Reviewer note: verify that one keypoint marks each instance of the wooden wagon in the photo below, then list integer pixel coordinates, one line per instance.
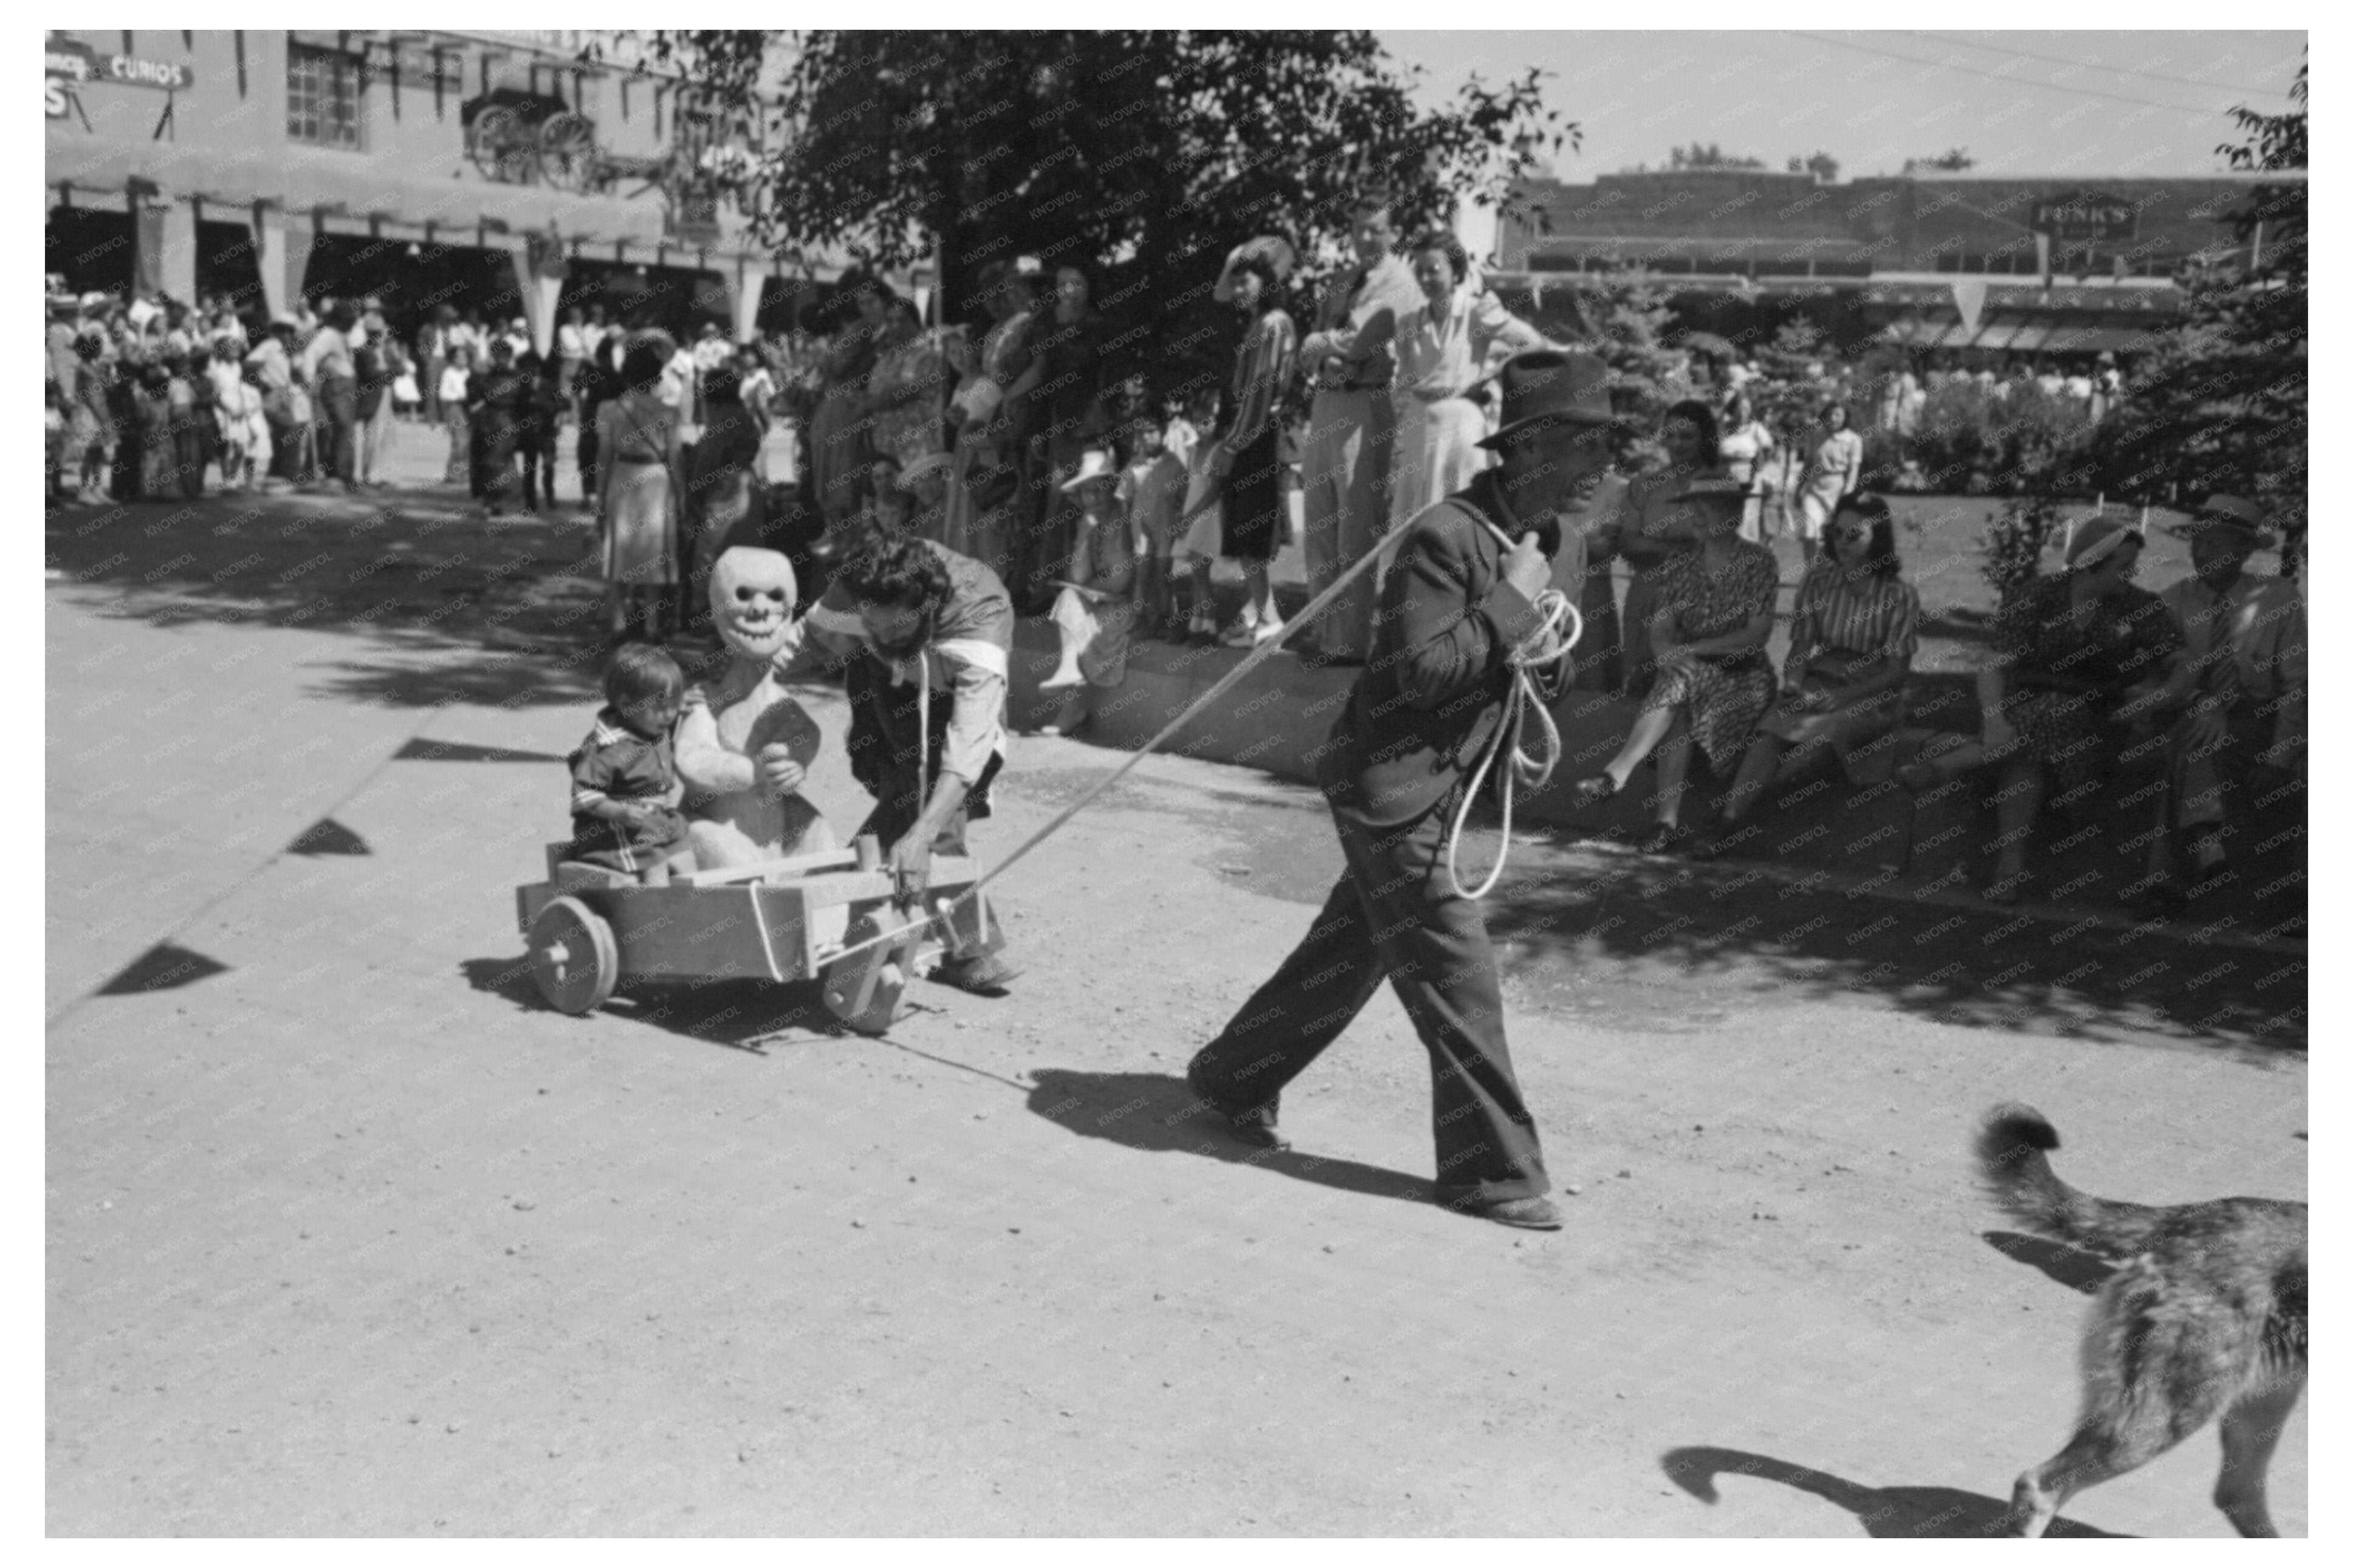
(811, 917)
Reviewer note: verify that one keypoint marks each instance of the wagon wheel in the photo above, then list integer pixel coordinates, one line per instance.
(502, 146)
(567, 150)
(866, 989)
(573, 956)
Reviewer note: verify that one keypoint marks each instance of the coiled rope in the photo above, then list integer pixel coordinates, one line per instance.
(1540, 667)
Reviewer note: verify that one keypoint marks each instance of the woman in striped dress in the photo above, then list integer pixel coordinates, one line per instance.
(1851, 639)
(837, 444)
(1247, 459)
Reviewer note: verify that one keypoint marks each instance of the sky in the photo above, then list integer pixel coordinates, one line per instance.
(2088, 103)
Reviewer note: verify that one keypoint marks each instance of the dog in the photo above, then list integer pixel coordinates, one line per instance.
(2204, 1314)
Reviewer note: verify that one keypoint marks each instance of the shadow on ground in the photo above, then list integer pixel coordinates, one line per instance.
(742, 1014)
(1157, 1113)
(1884, 1512)
(1714, 938)
(1669, 946)
(416, 572)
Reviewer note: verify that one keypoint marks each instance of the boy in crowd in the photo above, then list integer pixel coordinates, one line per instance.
(1203, 536)
(1152, 492)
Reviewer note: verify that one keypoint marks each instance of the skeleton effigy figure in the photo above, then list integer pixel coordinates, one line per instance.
(744, 746)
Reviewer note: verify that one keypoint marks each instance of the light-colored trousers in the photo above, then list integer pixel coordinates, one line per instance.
(1438, 453)
(1344, 470)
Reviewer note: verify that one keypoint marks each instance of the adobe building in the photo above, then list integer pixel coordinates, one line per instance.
(1931, 260)
(494, 170)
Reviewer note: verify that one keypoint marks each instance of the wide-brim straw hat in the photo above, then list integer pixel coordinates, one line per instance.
(1273, 248)
(923, 468)
(2093, 539)
(1094, 464)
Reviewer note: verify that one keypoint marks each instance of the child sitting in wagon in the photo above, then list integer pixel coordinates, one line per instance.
(625, 786)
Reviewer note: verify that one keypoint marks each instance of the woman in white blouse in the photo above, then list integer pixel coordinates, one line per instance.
(1442, 350)
(1747, 442)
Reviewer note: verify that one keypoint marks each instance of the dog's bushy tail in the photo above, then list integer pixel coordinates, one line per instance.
(2010, 1159)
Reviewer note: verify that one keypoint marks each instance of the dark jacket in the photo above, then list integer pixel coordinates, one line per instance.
(1432, 690)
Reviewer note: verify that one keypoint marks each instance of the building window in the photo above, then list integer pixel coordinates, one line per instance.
(322, 97)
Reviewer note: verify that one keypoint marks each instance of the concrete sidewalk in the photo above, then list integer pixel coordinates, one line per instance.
(1871, 835)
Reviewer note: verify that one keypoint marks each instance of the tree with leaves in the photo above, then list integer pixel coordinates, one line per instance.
(1709, 157)
(1141, 157)
(2221, 405)
(1821, 166)
(1950, 163)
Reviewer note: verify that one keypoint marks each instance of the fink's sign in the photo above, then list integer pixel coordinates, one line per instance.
(68, 64)
(2087, 215)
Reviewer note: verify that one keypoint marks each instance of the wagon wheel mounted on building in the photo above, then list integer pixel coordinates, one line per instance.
(503, 145)
(567, 151)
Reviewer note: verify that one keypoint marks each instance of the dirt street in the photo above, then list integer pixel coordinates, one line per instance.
(349, 1234)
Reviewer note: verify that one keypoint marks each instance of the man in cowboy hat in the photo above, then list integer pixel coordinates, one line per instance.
(1351, 427)
(2240, 686)
(1456, 603)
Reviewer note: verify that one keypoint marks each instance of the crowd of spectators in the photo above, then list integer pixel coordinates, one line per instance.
(152, 397)
(1099, 515)
(1010, 445)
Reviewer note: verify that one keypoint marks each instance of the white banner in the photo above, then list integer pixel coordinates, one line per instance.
(1969, 298)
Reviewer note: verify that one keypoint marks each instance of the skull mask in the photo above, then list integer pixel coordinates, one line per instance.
(752, 596)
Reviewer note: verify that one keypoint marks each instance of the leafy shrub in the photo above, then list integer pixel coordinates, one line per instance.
(2014, 542)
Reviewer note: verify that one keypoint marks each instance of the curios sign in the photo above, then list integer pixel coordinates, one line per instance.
(68, 64)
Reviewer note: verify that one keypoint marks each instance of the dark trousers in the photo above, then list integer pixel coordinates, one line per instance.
(586, 455)
(285, 441)
(339, 406)
(886, 757)
(1393, 916)
(539, 451)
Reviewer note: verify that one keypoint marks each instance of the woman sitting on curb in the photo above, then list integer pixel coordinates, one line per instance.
(2075, 656)
(1851, 639)
(1094, 613)
(1714, 617)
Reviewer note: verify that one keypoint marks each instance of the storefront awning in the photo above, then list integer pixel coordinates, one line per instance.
(302, 180)
(2103, 340)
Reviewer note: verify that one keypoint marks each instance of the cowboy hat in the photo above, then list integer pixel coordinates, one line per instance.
(1551, 387)
(2093, 540)
(930, 463)
(2229, 514)
(1274, 250)
(1095, 464)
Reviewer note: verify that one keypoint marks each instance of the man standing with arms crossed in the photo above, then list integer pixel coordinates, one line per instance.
(1455, 606)
(1352, 428)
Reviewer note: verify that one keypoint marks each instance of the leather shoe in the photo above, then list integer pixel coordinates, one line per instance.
(986, 975)
(1524, 1213)
(1250, 1124)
